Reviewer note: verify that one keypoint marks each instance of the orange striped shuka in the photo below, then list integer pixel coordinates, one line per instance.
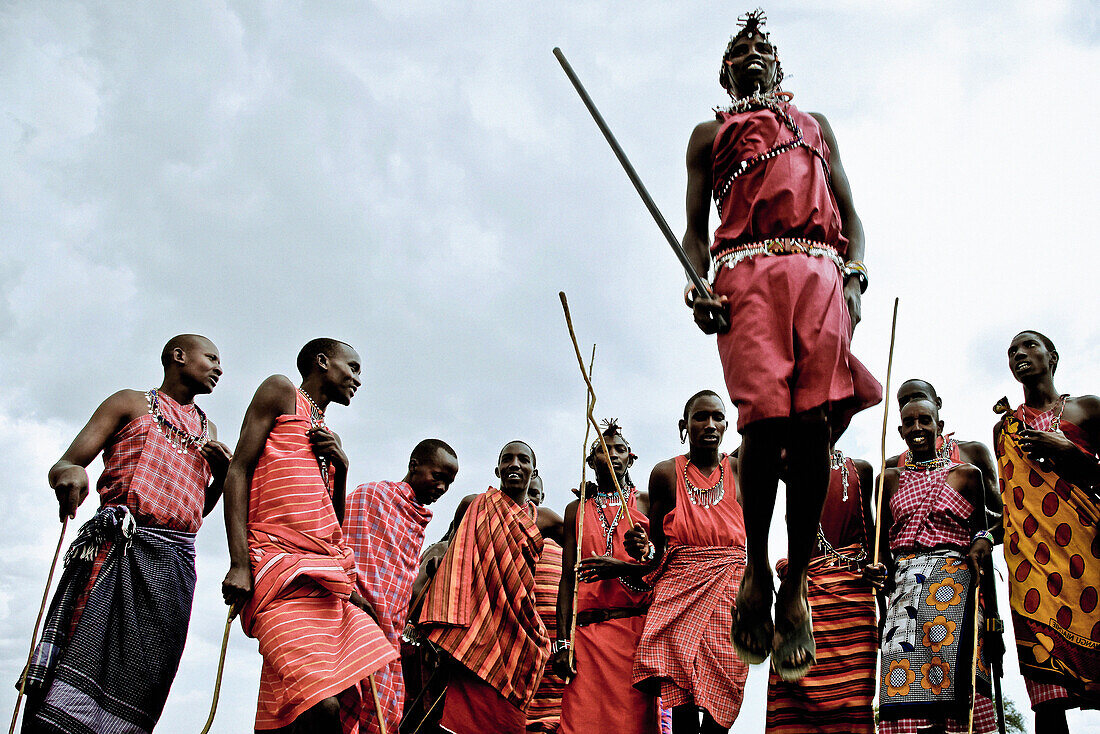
(836, 695)
(314, 642)
(481, 609)
(544, 713)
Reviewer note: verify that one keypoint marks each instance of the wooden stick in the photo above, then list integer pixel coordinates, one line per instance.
(885, 415)
(221, 666)
(37, 625)
(592, 392)
(974, 659)
(588, 407)
(377, 704)
(430, 710)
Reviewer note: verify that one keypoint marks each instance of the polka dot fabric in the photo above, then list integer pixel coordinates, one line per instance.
(1053, 555)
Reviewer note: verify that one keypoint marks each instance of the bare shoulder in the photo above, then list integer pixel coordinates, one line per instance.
(275, 395)
(125, 405)
(862, 465)
(664, 469)
(965, 471)
(975, 452)
(702, 138)
(893, 460)
(1082, 408)
(643, 502)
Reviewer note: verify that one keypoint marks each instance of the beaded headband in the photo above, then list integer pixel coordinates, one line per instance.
(611, 428)
(752, 23)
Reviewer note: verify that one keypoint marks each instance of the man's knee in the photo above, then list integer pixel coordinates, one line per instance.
(810, 424)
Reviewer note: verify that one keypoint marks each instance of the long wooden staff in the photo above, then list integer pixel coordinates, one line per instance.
(974, 658)
(591, 392)
(377, 704)
(233, 611)
(37, 625)
(588, 407)
(885, 416)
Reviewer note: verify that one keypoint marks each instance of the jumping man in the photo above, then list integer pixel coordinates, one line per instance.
(788, 255)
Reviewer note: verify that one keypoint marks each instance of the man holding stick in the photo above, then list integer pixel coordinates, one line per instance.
(108, 656)
(611, 600)
(789, 274)
(290, 567)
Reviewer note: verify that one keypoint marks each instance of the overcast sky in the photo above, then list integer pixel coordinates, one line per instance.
(420, 180)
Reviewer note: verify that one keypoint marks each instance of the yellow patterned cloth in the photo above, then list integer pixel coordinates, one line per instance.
(1052, 550)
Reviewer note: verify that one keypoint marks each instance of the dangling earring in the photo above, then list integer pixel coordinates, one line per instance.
(683, 435)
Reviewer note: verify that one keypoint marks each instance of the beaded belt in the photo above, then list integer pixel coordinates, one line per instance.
(778, 246)
(594, 616)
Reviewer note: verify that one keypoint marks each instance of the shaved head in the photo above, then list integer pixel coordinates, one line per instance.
(186, 342)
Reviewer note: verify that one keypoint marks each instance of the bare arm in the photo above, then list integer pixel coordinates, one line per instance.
(68, 477)
(850, 225)
(978, 455)
(568, 564)
(551, 525)
(662, 498)
(274, 397)
(866, 476)
(217, 455)
(700, 162)
(967, 479)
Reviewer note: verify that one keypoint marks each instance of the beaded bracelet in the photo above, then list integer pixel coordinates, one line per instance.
(982, 535)
(650, 553)
(558, 645)
(858, 269)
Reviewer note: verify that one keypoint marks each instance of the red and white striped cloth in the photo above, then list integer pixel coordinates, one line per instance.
(314, 642)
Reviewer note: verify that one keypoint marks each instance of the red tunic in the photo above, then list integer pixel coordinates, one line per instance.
(686, 643)
(314, 642)
(787, 195)
(788, 349)
(928, 512)
(842, 520)
(604, 651)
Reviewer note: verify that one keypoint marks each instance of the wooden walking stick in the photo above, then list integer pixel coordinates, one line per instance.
(377, 704)
(591, 392)
(589, 404)
(885, 417)
(233, 611)
(37, 625)
(974, 659)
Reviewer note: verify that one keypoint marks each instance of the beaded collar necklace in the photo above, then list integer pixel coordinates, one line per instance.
(604, 500)
(178, 438)
(317, 420)
(936, 462)
(1056, 419)
(944, 451)
(707, 497)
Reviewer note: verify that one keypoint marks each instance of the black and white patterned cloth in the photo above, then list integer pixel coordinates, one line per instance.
(111, 675)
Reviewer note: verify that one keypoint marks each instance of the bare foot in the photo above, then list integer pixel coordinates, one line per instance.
(793, 642)
(752, 622)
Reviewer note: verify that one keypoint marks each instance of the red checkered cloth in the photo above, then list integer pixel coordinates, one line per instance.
(1044, 692)
(163, 487)
(384, 527)
(985, 722)
(928, 512)
(685, 648)
(480, 607)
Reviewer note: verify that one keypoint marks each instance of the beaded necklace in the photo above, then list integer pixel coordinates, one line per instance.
(943, 453)
(706, 496)
(936, 462)
(777, 102)
(836, 461)
(604, 500)
(178, 438)
(317, 420)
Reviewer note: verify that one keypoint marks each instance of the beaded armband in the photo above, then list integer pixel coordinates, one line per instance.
(982, 535)
(558, 645)
(858, 269)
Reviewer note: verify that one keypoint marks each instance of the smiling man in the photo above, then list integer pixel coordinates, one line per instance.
(108, 656)
(290, 567)
(1050, 476)
(789, 273)
(497, 651)
(384, 526)
(933, 541)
